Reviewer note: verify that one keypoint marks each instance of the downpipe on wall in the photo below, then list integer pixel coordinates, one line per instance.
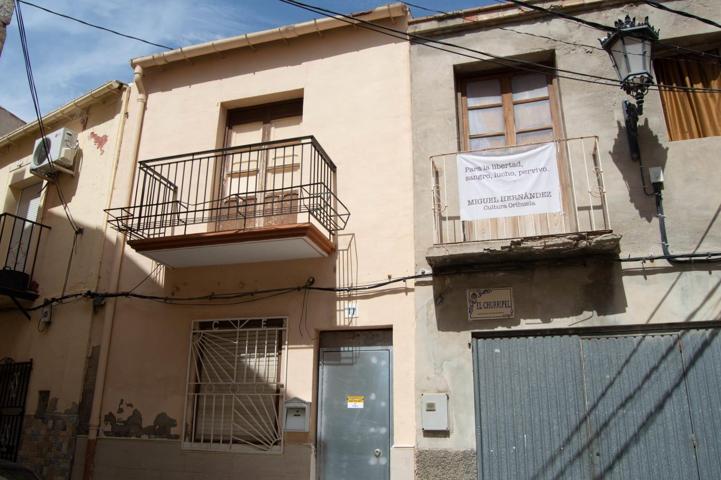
(631, 115)
(96, 412)
(686, 258)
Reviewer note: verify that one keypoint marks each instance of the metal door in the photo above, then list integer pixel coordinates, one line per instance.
(643, 406)
(354, 412)
(14, 380)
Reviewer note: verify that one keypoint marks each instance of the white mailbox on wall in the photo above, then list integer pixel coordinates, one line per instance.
(434, 412)
(296, 415)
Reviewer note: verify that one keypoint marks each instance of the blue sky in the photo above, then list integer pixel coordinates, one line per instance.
(69, 59)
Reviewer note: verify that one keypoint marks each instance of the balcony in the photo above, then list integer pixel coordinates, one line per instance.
(262, 202)
(19, 246)
(582, 226)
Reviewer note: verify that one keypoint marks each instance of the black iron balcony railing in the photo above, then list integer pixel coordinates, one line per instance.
(254, 186)
(19, 246)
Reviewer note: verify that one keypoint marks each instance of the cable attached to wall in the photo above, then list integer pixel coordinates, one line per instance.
(682, 13)
(708, 257)
(598, 26)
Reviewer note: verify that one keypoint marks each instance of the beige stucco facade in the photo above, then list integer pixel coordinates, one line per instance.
(355, 94)
(111, 372)
(565, 293)
(104, 357)
(62, 351)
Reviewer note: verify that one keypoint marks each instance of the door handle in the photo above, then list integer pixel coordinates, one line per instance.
(377, 452)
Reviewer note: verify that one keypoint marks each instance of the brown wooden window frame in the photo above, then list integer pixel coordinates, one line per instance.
(508, 104)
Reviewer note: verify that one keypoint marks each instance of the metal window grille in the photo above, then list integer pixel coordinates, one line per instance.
(234, 386)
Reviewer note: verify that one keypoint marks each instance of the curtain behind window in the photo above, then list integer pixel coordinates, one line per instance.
(690, 114)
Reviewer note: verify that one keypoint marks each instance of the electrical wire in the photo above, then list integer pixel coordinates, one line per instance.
(105, 29)
(150, 274)
(426, 41)
(708, 257)
(513, 63)
(28, 69)
(553, 39)
(599, 26)
(76, 229)
(36, 107)
(682, 13)
(236, 298)
(556, 13)
(70, 264)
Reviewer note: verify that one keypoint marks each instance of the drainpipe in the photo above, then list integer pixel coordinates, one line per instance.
(119, 134)
(96, 413)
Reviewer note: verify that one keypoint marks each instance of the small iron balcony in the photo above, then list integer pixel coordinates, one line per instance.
(19, 246)
(581, 227)
(261, 202)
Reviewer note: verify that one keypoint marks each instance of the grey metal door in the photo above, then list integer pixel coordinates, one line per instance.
(701, 352)
(530, 409)
(354, 412)
(611, 407)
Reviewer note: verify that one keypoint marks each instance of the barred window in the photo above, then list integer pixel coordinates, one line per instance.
(234, 385)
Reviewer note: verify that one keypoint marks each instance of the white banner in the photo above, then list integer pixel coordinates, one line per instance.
(497, 186)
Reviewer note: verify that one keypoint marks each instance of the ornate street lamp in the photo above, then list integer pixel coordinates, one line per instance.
(630, 47)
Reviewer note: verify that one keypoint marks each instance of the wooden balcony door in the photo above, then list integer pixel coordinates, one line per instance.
(260, 186)
(513, 109)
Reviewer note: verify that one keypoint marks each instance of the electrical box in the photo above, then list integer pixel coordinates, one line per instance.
(297, 415)
(434, 412)
(656, 174)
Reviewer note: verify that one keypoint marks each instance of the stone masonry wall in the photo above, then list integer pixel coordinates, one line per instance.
(48, 441)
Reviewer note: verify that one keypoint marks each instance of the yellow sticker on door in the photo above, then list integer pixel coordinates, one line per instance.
(355, 401)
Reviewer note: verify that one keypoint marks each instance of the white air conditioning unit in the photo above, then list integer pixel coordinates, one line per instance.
(61, 146)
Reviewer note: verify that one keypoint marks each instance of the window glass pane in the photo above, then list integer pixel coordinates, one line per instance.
(486, 120)
(532, 115)
(487, 142)
(534, 137)
(483, 92)
(532, 85)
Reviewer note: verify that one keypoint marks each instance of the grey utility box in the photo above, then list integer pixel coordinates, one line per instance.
(434, 412)
(297, 415)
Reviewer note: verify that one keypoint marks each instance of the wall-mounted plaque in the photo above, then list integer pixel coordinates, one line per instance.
(489, 303)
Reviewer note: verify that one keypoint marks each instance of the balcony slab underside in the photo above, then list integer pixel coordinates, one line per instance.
(528, 249)
(282, 242)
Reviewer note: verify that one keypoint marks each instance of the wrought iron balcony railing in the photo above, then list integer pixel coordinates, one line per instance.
(256, 186)
(19, 246)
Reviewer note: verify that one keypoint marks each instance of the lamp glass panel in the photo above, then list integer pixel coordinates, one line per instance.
(635, 53)
(619, 59)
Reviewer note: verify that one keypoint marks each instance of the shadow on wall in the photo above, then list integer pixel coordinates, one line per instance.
(653, 154)
(541, 293)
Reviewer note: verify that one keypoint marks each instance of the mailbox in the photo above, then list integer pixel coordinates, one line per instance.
(297, 415)
(434, 412)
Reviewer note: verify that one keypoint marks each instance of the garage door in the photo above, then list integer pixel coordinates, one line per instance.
(632, 406)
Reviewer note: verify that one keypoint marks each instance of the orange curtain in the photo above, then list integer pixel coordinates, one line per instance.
(690, 114)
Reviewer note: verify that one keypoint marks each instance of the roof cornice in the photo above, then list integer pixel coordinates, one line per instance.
(499, 14)
(64, 112)
(250, 40)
